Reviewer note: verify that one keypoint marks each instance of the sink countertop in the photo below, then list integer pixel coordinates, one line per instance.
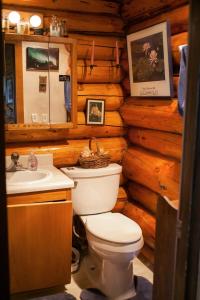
(57, 180)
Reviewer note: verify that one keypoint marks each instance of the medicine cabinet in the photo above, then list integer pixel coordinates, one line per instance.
(40, 82)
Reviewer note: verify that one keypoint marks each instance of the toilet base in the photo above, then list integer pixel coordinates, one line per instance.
(114, 281)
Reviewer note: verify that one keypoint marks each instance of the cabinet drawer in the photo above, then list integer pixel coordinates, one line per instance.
(35, 197)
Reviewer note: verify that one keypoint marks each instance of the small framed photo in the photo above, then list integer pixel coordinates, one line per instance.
(95, 111)
(150, 62)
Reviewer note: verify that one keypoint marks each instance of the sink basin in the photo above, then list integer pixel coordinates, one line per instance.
(27, 177)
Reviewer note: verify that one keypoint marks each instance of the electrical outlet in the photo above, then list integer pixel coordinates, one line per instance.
(34, 117)
(44, 118)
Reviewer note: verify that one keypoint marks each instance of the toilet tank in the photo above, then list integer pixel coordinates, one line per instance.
(95, 190)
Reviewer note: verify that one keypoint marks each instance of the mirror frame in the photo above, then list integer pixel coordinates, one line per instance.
(17, 40)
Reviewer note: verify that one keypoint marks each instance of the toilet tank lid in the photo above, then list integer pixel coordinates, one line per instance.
(78, 172)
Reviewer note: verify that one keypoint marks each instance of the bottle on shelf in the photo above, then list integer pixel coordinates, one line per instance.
(54, 26)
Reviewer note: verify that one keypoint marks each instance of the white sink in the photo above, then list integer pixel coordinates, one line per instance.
(27, 177)
(46, 178)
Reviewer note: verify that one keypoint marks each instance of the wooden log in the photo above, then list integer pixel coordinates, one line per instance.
(87, 23)
(80, 132)
(144, 219)
(101, 89)
(111, 103)
(160, 114)
(144, 196)
(148, 255)
(112, 118)
(121, 200)
(137, 12)
(169, 144)
(176, 41)
(156, 172)
(178, 19)
(96, 6)
(78, 22)
(126, 86)
(102, 72)
(101, 52)
(67, 153)
(100, 40)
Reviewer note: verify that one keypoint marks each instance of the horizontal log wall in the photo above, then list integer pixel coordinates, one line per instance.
(152, 161)
(88, 20)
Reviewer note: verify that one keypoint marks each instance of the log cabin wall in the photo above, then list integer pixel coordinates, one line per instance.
(152, 161)
(87, 21)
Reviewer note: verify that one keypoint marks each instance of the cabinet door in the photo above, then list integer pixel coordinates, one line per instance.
(39, 245)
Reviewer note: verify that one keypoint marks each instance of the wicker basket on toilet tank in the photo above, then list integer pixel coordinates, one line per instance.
(90, 159)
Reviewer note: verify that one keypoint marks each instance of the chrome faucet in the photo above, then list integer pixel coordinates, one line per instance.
(15, 165)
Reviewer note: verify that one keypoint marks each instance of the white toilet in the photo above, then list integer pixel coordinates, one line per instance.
(114, 240)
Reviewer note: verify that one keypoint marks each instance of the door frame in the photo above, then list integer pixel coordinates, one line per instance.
(4, 265)
(187, 267)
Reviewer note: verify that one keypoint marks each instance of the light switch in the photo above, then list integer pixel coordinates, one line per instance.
(34, 117)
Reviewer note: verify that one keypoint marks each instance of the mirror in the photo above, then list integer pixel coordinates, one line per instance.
(40, 81)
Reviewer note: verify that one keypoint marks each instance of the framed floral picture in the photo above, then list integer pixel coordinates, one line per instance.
(150, 62)
(95, 111)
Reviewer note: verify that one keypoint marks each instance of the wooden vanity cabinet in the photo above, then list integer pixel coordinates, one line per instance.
(40, 239)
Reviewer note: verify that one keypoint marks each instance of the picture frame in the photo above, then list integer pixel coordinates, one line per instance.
(150, 62)
(42, 59)
(95, 111)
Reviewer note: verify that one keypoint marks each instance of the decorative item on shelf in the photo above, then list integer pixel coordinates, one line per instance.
(54, 26)
(22, 27)
(92, 56)
(5, 25)
(117, 54)
(63, 28)
(90, 159)
(150, 62)
(95, 111)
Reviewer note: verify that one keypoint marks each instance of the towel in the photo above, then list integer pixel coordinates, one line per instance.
(67, 94)
(182, 85)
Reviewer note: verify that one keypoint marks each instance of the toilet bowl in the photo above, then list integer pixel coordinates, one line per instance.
(114, 240)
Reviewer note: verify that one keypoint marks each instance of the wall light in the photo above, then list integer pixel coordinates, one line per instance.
(14, 17)
(35, 21)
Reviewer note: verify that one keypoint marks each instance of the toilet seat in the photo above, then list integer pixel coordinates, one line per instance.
(113, 228)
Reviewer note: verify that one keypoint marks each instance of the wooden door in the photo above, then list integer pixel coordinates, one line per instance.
(39, 245)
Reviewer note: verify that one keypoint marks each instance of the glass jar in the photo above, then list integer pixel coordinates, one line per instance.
(5, 25)
(63, 28)
(54, 27)
(21, 27)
